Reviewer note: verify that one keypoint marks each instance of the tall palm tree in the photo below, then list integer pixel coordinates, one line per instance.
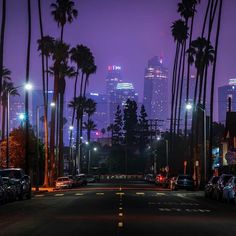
(180, 34)
(2, 44)
(90, 107)
(45, 45)
(63, 11)
(60, 55)
(77, 104)
(26, 93)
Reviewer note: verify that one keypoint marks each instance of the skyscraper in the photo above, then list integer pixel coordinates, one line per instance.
(224, 93)
(155, 97)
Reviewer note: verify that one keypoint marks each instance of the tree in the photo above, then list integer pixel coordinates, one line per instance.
(17, 148)
(63, 11)
(117, 137)
(143, 128)
(45, 45)
(7, 87)
(130, 122)
(27, 94)
(2, 43)
(89, 126)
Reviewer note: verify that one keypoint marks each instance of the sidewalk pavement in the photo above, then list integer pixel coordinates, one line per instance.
(42, 189)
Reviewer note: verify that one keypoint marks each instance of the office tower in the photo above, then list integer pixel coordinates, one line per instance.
(224, 92)
(112, 79)
(155, 97)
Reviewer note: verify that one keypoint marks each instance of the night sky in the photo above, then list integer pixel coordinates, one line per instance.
(119, 32)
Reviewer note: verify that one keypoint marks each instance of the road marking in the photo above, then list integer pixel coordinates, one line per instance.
(120, 208)
(120, 225)
(120, 193)
(99, 193)
(161, 194)
(79, 194)
(39, 195)
(120, 188)
(140, 193)
(186, 210)
(120, 214)
(59, 195)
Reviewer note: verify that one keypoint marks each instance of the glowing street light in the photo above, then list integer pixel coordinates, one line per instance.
(189, 106)
(71, 127)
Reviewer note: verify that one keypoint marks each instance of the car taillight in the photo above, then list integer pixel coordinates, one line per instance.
(161, 178)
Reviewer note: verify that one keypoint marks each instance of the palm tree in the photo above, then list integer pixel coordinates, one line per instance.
(26, 93)
(60, 53)
(89, 126)
(2, 44)
(45, 45)
(7, 87)
(63, 12)
(77, 104)
(180, 34)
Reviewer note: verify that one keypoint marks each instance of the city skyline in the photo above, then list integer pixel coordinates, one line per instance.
(129, 45)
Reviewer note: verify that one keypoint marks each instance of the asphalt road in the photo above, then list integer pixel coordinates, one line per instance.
(118, 209)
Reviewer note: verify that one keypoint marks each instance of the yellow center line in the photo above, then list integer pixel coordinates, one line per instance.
(120, 193)
(120, 225)
(39, 195)
(99, 193)
(140, 193)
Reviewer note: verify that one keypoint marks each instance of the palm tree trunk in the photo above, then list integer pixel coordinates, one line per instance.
(77, 158)
(27, 164)
(3, 120)
(2, 44)
(212, 89)
(181, 89)
(178, 86)
(188, 80)
(52, 132)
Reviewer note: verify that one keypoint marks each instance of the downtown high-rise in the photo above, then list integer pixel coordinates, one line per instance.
(155, 98)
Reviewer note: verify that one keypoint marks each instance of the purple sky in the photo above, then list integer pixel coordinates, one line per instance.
(119, 32)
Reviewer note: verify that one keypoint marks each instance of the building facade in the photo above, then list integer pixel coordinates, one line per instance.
(224, 92)
(155, 97)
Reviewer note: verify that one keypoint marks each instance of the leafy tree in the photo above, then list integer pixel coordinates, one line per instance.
(89, 126)
(143, 128)
(117, 128)
(17, 148)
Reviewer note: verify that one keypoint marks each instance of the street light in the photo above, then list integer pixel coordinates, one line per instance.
(27, 87)
(202, 108)
(89, 159)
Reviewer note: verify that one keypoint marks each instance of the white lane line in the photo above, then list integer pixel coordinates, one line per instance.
(39, 195)
(120, 214)
(161, 194)
(59, 195)
(79, 194)
(140, 193)
(184, 210)
(120, 208)
(99, 193)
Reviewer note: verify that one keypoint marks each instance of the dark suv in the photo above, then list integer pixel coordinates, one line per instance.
(18, 175)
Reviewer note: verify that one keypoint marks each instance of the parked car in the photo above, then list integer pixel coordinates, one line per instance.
(210, 186)
(149, 178)
(90, 178)
(18, 174)
(160, 179)
(229, 191)
(63, 182)
(11, 189)
(3, 194)
(82, 178)
(218, 189)
(183, 182)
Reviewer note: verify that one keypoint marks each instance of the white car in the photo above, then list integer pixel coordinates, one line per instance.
(229, 191)
(64, 182)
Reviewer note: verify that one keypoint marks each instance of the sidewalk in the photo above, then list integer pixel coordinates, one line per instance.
(42, 189)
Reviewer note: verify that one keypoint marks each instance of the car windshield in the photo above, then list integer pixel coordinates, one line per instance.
(16, 174)
(184, 177)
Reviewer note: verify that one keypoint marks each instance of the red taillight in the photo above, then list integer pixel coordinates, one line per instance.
(161, 178)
